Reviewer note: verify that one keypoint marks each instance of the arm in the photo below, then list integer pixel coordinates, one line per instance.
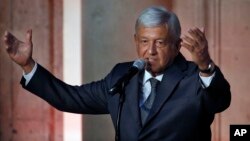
(89, 99)
(217, 96)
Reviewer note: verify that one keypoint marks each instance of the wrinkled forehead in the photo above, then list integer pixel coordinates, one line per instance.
(153, 31)
(151, 26)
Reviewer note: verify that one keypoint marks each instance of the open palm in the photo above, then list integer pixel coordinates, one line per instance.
(20, 52)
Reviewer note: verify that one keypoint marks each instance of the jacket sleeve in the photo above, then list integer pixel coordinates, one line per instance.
(217, 96)
(88, 98)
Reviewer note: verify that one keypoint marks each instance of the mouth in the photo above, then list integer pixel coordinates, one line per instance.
(150, 63)
(151, 60)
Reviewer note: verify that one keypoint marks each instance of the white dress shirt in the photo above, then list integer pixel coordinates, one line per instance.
(29, 75)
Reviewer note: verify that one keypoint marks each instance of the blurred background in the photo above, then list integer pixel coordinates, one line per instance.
(81, 40)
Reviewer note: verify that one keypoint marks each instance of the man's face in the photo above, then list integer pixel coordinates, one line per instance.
(154, 45)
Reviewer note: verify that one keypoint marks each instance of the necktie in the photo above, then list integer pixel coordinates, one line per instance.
(145, 108)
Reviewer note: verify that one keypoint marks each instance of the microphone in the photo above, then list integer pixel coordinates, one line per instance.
(137, 66)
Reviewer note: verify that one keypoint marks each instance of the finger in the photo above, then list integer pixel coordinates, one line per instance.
(199, 32)
(196, 34)
(5, 37)
(5, 40)
(189, 40)
(203, 30)
(187, 46)
(6, 33)
(9, 39)
(8, 47)
(29, 36)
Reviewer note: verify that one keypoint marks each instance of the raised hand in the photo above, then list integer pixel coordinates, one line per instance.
(20, 52)
(196, 43)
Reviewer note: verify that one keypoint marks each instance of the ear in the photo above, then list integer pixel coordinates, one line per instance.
(178, 46)
(136, 40)
(136, 43)
(135, 37)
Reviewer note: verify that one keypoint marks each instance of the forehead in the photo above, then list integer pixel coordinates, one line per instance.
(153, 32)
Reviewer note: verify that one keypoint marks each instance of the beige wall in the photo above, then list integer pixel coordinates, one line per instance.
(23, 116)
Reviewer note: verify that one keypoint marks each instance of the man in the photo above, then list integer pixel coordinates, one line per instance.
(170, 100)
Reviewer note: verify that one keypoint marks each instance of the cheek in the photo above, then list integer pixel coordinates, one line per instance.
(165, 57)
(141, 51)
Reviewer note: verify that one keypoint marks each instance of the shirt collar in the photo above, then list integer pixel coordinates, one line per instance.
(147, 76)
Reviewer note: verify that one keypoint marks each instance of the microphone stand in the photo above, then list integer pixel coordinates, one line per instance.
(119, 87)
(121, 101)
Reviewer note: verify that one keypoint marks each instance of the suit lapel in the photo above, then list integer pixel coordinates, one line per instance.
(132, 97)
(170, 79)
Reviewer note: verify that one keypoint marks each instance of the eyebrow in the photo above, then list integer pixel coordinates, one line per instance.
(141, 37)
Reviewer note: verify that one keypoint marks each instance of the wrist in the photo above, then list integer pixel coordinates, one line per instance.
(208, 69)
(27, 68)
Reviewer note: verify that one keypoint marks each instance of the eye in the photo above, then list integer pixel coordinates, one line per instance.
(143, 41)
(160, 43)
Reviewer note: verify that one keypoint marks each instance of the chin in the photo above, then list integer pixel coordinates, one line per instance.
(153, 71)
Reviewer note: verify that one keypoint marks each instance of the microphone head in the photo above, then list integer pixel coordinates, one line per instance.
(139, 64)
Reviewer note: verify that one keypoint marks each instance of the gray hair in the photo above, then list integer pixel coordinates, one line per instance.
(157, 16)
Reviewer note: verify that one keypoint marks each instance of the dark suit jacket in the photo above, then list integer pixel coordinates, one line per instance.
(182, 111)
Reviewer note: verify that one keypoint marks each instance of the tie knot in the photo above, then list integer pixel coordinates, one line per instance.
(153, 82)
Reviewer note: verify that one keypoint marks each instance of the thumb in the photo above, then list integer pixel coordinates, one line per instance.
(203, 30)
(29, 36)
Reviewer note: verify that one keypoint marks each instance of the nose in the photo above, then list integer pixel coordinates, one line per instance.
(152, 49)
